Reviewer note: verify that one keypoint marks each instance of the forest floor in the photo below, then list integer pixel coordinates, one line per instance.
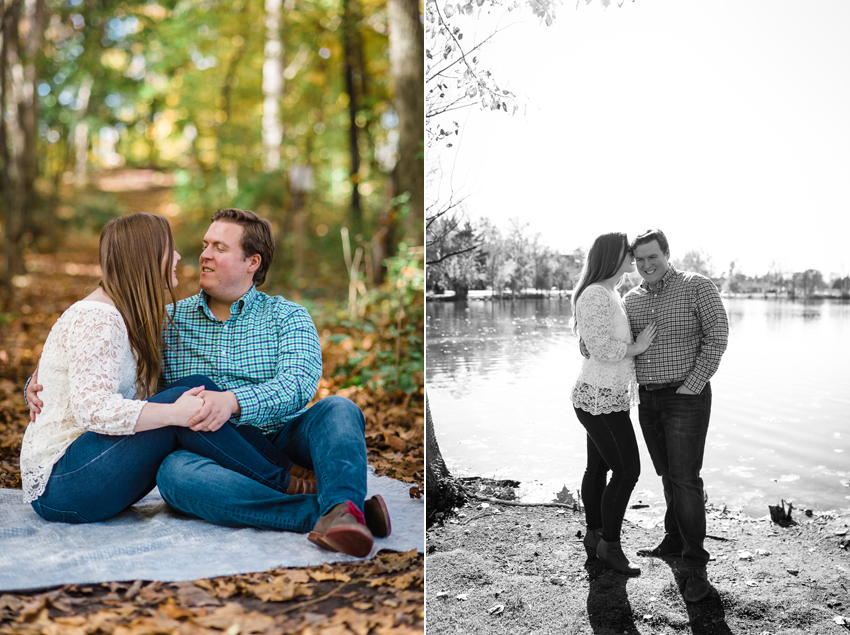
(381, 595)
(500, 568)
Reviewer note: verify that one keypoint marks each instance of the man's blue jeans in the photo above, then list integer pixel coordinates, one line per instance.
(674, 428)
(329, 438)
(100, 475)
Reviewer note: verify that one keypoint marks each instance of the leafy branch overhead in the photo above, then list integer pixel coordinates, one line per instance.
(454, 76)
(455, 79)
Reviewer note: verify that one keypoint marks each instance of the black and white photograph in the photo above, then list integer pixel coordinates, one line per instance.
(637, 310)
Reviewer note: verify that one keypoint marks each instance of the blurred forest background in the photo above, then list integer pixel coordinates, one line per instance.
(309, 112)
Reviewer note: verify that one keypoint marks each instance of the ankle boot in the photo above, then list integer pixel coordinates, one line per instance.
(302, 472)
(591, 540)
(611, 553)
(301, 486)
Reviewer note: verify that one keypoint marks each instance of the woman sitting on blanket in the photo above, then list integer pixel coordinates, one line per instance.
(97, 443)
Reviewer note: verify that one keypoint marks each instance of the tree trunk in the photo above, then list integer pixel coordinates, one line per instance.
(349, 22)
(7, 191)
(442, 492)
(81, 134)
(27, 113)
(12, 78)
(272, 88)
(300, 187)
(407, 57)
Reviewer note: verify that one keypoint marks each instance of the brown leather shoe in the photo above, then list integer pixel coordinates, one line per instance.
(343, 529)
(301, 486)
(377, 516)
(302, 473)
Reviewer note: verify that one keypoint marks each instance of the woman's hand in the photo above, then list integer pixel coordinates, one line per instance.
(218, 406)
(33, 402)
(187, 406)
(646, 337)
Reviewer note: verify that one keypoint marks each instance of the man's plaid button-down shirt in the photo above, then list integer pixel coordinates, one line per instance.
(693, 329)
(267, 353)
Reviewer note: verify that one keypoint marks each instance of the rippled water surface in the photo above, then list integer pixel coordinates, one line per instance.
(499, 376)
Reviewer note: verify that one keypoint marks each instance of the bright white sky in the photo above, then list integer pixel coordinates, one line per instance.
(726, 123)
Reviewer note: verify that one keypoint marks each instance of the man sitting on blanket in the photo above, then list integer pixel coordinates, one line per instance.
(265, 354)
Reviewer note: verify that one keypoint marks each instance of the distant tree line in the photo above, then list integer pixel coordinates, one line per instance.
(464, 255)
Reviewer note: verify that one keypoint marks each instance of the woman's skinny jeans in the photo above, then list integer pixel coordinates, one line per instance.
(100, 475)
(611, 445)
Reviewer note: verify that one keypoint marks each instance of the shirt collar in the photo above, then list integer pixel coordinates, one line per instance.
(235, 309)
(665, 279)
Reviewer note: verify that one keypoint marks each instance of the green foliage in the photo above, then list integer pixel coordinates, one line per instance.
(388, 345)
(178, 87)
(92, 210)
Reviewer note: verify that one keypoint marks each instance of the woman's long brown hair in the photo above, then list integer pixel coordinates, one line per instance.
(603, 260)
(132, 251)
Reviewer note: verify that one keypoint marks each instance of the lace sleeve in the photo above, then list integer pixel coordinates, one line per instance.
(594, 315)
(95, 371)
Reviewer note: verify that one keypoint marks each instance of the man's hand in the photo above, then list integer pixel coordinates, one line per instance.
(218, 406)
(583, 349)
(683, 390)
(35, 404)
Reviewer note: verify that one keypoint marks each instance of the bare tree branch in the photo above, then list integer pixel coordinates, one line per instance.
(452, 254)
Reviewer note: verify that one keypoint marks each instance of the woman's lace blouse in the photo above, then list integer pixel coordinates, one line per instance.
(606, 382)
(89, 376)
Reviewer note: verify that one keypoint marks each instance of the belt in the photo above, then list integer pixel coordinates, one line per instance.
(672, 384)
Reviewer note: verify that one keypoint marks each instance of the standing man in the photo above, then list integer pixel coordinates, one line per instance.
(675, 393)
(265, 354)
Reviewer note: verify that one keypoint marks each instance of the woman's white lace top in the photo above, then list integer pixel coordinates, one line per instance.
(606, 382)
(89, 376)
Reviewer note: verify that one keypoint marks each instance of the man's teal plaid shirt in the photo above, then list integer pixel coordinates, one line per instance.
(267, 353)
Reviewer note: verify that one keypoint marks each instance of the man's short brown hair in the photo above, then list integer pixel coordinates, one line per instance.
(257, 237)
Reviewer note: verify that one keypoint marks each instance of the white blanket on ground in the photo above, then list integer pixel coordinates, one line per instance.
(151, 542)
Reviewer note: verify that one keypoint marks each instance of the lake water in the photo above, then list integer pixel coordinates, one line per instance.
(499, 377)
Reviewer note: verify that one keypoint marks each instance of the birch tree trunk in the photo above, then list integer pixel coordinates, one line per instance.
(272, 88)
(407, 57)
(81, 134)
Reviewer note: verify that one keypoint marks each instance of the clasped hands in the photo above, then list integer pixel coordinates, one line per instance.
(204, 410)
(207, 410)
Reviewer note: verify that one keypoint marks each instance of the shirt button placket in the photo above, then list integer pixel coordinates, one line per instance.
(222, 353)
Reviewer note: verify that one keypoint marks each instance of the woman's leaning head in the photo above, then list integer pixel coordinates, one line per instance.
(606, 258)
(607, 255)
(137, 251)
(136, 259)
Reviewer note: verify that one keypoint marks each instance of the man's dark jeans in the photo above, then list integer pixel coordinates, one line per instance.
(674, 428)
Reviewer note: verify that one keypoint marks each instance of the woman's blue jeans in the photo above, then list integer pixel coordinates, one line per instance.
(101, 475)
(611, 446)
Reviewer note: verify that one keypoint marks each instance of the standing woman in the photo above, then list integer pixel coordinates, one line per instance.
(604, 392)
(96, 446)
